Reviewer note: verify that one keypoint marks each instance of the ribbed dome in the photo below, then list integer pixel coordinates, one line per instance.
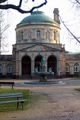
(37, 17)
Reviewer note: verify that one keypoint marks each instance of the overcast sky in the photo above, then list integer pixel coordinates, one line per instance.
(68, 13)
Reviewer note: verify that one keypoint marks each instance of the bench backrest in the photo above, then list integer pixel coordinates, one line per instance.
(7, 83)
(11, 95)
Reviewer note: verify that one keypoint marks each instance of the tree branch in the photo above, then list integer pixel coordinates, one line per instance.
(11, 6)
(20, 3)
(70, 31)
(77, 1)
(1, 1)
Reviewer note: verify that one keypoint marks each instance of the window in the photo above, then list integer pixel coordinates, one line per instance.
(55, 35)
(38, 34)
(29, 34)
(22, 35)
(48, 35)
(9, 68)
(76, 68)
(67, 68)
(1, 69)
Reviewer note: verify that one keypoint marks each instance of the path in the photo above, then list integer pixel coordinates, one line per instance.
(56, 103)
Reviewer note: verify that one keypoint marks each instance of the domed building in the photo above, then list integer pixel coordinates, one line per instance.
(38, 36)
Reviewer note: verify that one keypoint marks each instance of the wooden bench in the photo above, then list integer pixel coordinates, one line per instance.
(19, 99)
(7, 83)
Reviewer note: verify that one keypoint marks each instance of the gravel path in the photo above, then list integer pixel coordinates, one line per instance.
(55, 103)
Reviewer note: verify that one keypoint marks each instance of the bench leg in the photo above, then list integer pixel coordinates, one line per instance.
(0, 85)
(22, 105)
(12, 86)
(17, 105)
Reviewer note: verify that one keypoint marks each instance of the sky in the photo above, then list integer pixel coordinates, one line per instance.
(69, 14)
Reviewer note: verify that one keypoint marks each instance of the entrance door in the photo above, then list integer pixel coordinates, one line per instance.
(26, 65)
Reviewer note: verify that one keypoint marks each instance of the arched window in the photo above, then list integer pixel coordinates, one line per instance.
(9, 69)
(38, 34)
(76, 68)
(1, 69)
(67, 68)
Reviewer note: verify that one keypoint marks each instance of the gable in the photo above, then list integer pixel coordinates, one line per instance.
(39, 48)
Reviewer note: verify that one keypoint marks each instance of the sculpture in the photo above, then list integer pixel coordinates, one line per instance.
(42, 65)
(42, 73)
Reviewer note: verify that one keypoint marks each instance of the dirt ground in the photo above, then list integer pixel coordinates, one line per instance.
(55, 103)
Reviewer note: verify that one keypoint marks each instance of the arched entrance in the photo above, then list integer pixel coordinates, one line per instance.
(52, 63)
(38, 62)
(26, 65)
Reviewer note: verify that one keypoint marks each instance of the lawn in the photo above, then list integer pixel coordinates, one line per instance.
(13, 106)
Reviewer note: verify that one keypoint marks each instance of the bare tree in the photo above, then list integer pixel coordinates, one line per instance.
(77, 2)
(3, 28)
(76, 38)
(4, 5)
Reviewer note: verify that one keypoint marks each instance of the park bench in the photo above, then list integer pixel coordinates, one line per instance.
(17, 98)
(7, 83)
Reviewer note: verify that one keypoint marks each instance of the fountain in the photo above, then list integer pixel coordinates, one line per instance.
(42, 73)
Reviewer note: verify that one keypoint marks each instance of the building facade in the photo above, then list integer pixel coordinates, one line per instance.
(38, 36)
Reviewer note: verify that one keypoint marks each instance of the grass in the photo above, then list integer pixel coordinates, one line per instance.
(78, 88)
(13, 106)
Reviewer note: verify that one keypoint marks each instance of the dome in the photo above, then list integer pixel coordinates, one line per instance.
(37, 17)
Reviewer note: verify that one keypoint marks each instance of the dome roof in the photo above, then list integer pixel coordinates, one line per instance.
(37, 17)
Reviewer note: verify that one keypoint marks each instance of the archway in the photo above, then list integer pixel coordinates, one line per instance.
(52, 63)
(38, 62)
(26, 65)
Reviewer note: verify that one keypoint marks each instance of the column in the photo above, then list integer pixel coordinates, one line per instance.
(32, 66)
(20, 68)
(45, 65)
(72, 69)
(59, 67)
(17, 67)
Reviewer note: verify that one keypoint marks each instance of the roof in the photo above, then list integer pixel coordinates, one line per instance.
(5, 57)
(37, 16)
(73, 53)
(73, 56)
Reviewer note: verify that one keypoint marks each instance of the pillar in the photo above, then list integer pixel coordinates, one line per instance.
(58, 67)
(32, 66)
(45, 65)
(20, 68)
